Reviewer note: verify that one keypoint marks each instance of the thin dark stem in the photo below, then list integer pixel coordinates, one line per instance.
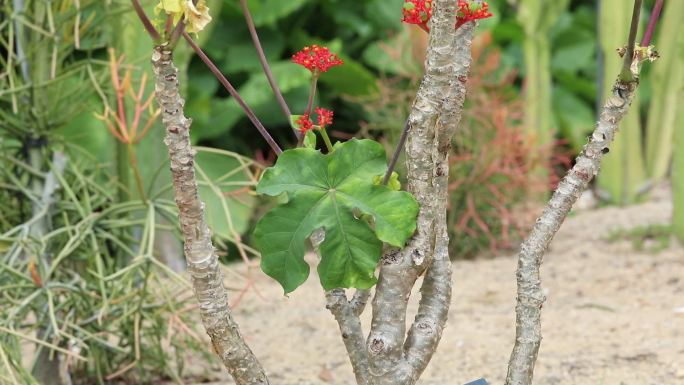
(312, 94)
(397, 153)
(176, 34)
(264, 63)
(309, 104)
(168, 25)
(626, 75)
(229, 87)
(154, 34)
(655, 15)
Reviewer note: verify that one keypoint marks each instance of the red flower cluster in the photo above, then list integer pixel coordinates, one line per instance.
(304, 123)
(325, 117)
(316, 58)
(417, 11)
(470, 12)
(420, 11)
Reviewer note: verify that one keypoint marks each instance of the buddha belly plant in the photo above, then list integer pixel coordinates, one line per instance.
(344, 200)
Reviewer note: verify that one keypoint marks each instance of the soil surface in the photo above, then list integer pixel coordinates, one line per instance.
(614, 315)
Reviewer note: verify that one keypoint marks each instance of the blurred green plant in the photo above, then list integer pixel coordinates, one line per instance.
(678, 183)
(623, 177)
(667, 81)
(568, 49)
(493, 168)
(91, 287)
(678, 158)
(86, 295)
(95, 277)
(650, 238)
(537, 18)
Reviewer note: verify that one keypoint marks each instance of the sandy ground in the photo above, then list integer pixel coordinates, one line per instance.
(613, 315)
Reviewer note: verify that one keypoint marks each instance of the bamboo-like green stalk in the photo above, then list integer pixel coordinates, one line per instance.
(623, 175)
(537, 18)
(678, 155)
(678, 184)
(667, 83)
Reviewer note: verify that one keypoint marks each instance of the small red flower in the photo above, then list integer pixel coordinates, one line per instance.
(304, 123)
(420, 11)
(325, 117)
(471, 11)
(417, 11)
(316, 58)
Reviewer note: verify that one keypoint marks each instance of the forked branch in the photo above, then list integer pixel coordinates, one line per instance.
(436, 112)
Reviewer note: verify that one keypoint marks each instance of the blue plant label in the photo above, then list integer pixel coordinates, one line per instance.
(481, 381)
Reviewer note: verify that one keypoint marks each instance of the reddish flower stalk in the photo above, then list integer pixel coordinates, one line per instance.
(264, 62)
(149, 27)
(317, 60)
(233, 92)
(655, 15)
(312, 93)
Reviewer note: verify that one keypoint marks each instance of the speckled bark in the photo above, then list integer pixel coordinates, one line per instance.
(359, 301)
(201, 257)
(530, 296)
(352, 334)
(433, 119)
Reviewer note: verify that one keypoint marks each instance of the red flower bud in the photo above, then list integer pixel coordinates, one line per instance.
(316, 58)
(304, 123)
(420, 11)
(325, 117)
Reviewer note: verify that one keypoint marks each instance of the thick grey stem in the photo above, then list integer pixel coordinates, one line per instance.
(352, 334)
(433, 310)
(433, 118)
(530, 295)
(203, 264)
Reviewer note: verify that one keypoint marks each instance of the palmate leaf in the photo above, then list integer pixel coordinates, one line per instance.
(334, 192)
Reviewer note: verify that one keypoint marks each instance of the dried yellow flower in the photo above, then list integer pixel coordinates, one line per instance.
(196, 17)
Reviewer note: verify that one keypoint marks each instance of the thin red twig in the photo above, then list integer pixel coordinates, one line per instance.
(655, 16)
(233, 92)
(154, 34)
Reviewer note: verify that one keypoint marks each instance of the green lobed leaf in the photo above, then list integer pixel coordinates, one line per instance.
(329, 192)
